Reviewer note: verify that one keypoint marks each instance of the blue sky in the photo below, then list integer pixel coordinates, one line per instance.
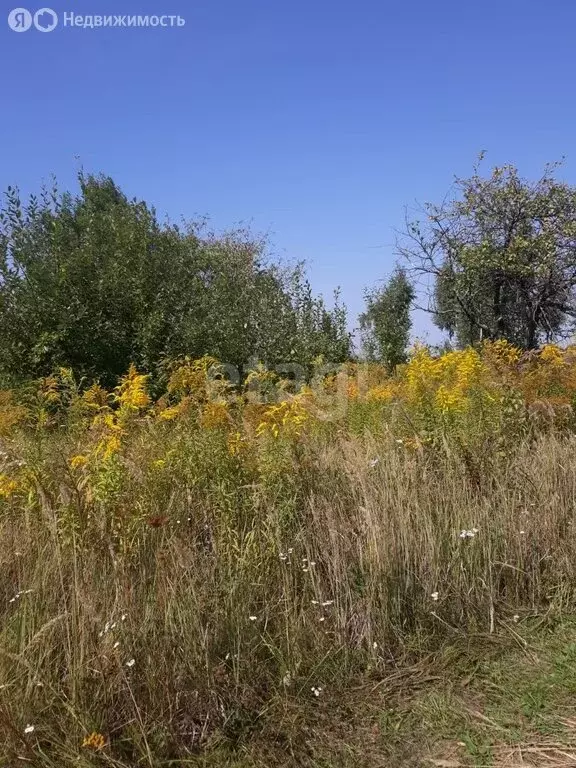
(316, 121)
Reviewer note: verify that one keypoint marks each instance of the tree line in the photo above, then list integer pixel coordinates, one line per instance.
(495, 260)
(94, 281)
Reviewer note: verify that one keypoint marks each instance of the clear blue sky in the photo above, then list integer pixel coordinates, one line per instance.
(314, 121)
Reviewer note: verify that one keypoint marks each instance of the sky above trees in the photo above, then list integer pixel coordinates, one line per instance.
(314, 122)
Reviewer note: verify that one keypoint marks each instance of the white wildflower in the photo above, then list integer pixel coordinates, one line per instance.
(253, 618)
(131, 663)
(18, 595)
(434, 596)
(327, 602)
(29, 729)
(316, 690)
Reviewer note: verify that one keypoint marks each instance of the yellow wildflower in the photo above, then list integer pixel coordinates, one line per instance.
(380, 393)
(131, 392)
(552, 354)
(447, 399)
(77, 462)
(288, 416)
(110, 446)
(169, 414)
(10, 413)
(94, 741)
(214, 415)
(235, 443)
(7, 486)
(95, 397)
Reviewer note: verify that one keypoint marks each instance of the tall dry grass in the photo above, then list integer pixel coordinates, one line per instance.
(180, 607)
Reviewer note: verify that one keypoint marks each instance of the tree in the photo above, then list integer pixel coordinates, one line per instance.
(499, 258)
(96, 282)
(386, 323)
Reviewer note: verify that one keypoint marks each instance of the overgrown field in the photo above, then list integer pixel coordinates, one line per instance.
(261, 576)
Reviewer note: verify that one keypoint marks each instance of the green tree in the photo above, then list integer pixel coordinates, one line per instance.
(385, 325)
(499, 258)
(95, 282)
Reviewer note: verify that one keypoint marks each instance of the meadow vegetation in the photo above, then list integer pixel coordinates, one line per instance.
(228, 538)
(371, 568)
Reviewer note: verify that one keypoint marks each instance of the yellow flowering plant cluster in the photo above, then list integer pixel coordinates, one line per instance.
(110, 418)
(199, 380)
(449, 391)
(94, 741)
(11, 413)
(262, 385)
(131, 395)
(287, 418)
(197, 387)
(472, 394)
(8, 486)
(549, 375)
(52, 399)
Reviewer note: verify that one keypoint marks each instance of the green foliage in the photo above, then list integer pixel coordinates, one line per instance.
(386, 323)
(95, 282)
(500, 256)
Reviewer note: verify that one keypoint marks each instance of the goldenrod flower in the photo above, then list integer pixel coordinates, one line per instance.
(552, 354)
(76, 462)
(169, 414)
(131, 392)
(94, 741)
(235, 442)
(214, 415)
(7, 486)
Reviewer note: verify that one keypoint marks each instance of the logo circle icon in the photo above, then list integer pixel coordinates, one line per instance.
(20, 20)
(45, 20)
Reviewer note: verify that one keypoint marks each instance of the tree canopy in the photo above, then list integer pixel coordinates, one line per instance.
(94, 281)
(386, 322)
(499, 258)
